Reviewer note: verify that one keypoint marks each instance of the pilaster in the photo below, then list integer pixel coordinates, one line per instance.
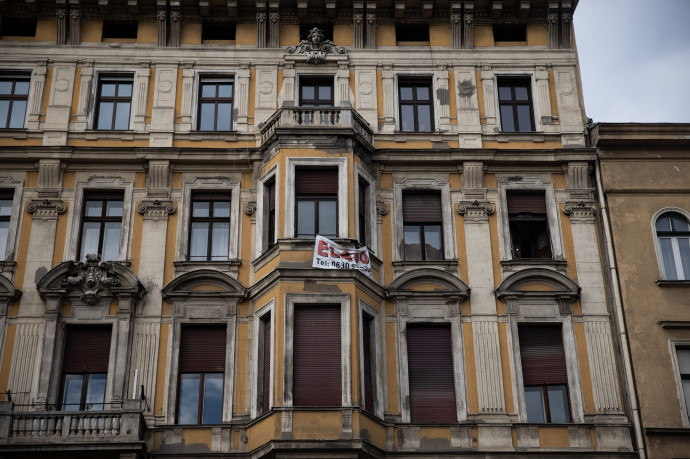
(26, 348)
(569, 110)
(370, 38)
(261, 34)
(266, 93)
(487, 358)
(58, 112)
(61, 18)
(468, 25)
(365, 85)
(443, 99)
(242, 98)
(86, 78)
(287, 92)
(49, 178)
(456, 25)
(185, 124)
(74, 24)
(142, 84)
(38, 84)
(358, 25)
(388, 100)
(162, 21)
(273, 25)
(469, 127)
(163, 112)
(602, 368)
(342, 77)
(487, 75)
(175, 25)
(544, 99)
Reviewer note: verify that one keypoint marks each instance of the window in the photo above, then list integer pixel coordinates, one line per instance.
(683, 355)
(316, 196)
(305, 28)
(120, 30)
(218, 32)
(271, 220)
(316, 92)
(510, 32)
(515, 104)
(422, 225)
(14, 93)
(673, 235)
(6, 198)
(215, 103)
(114, 102)
(412, 34)
(102, 224)
(209, 226)
(416, 112)
(19, 27)
(430, 370)
(264, 367)
(317, 357)
(369, 361)
(202, 369)
(362, 204)
(85, 368)
(529, 228)
(544, 373)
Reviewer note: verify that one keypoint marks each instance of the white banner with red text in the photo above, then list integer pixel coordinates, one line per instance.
(329, 255)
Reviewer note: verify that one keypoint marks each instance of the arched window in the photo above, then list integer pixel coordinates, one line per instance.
(673, 234)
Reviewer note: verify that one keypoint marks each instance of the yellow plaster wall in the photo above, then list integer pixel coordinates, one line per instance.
(91, 31)
(568, 246)
(554, 437)
(385, 35)
(483, 36)
(149, 100)
(158, 402)
(7, 357)
(65, 310)
(289, 34)
(453, 105)
(472, 394)
(585, 374)
(537, 35)
(46, 30)
(245, 34)
(197, 437)
(252, 100)
(315, 425)
(75, 94)
(191, 33)
(263, 431)
(558, 181)
(343, 34)
(375, 430)
(439, 35)
(147, 32)
(60, 236)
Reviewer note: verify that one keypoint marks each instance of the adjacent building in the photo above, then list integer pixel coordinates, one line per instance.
(166, 167)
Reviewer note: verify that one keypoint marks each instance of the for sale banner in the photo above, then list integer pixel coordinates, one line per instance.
(329, 255)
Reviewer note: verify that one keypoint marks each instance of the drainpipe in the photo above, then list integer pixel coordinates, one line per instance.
(620, 320)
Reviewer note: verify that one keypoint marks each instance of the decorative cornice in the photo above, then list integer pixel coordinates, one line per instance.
(46, 209)
(91, 279)
(475, 211)
(316, 47)
(580, 212)
(155, 210)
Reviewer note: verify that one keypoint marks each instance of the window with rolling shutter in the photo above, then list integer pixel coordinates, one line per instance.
(316, 199)
(362, 212)
(85, 367)
(264, 375)
(271, 234)
(430, 370)
(544, 373)
(202, 369)
(529, 228)
(368, 361)
(316, 371)
(422, 225)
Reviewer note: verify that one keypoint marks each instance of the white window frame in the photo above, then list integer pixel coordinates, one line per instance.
(292, 164)
(97, 75)
(674, 243)
(262, 210)
(198, 75)
(531, 74)
(552, 214)
(7, 183)
(674, 344)
(448, 222)
(108, 184)
(268, 308)
(376, 356)
(370, 207)
(345, 349)
(208, 184)
(412, 74)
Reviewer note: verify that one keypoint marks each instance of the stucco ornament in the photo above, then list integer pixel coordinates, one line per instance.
(91, 279)
(316, 47)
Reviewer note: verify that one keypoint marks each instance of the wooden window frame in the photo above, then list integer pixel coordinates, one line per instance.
(117, 80)
(217, 80)
(513, 82)
(212, 197)
(515, 218)
(316, 81)
(12, 97)
(316, 198)
(105, 196)
(406, 223)
(416, 82)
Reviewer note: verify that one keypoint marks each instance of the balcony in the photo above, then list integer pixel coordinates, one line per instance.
(120, 429)
(313, 121)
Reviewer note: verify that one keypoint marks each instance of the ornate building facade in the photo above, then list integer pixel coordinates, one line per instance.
(165, 168)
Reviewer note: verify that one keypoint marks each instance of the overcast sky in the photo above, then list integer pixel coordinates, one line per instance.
(635, 59)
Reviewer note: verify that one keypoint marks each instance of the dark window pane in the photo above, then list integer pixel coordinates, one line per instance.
(412, 237)
(71, 394)
(324, 93)
(558, 404)
(224, 90)
(113, 208)
(201, 208)
(224, 116)
(663, 223)
(521, 93)
(213, 398)
(207, 117)
(221, 209)
(507, 121)
(534, 402)
(208, 90)
(124, 90)
(308, 92)
(4, 232)
(21, 87)
(188, 411)
(524, 121)
(198, 243)
(122, 116)
(406, 93)
(306, 217)
(5, 207)
(432, 242)
(105, 115)
(669, 260)
(108, 89)
(219, 243)
(684, 361)
(424, 118)
(95, 390)
(407, 118)
(504, 93)
(327, 218)
(90, 234)
(679, 223)
(422, 93)
(111, 241)
(684, 250)
(5, 87)
(18, 112)
(4, 112)
(93, 208)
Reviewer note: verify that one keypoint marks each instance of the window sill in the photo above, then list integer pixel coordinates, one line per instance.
(667, 430)
(14, 133)
(8, 267)
(526, 263)
(95, 134)
(230, 267)
(404, 266)
(228, 136)
(673, 283)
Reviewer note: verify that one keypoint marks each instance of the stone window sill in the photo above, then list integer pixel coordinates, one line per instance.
(673, 283)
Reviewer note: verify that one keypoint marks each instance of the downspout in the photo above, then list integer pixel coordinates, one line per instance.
(620, 320)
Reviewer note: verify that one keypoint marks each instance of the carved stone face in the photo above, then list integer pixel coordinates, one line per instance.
(316, 37)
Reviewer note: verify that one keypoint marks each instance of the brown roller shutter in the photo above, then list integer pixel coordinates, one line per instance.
(542, 355)
(100, 194)
(316, 181)
(272, 196)
(87, 349)
(532, 202)
(367, 323)
(316, 350)
(430, 367)
(422, 207)
(266, 381)
(202, 348)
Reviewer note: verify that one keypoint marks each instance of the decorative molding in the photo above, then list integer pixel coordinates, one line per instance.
(602, 362)
(91, 279)
(250, 208)
(475, 211)
(46, 209)
(156, 210)
(316, 47)
(580, 212)
(74, 25)
(61, 20)
(382, 208)
(162, 19)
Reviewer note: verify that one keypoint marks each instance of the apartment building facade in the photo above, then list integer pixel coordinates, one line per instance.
(165, 169)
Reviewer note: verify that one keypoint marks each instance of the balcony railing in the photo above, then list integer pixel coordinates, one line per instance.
(317, 117)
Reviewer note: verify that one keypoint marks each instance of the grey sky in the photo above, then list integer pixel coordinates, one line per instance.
(635, 59)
